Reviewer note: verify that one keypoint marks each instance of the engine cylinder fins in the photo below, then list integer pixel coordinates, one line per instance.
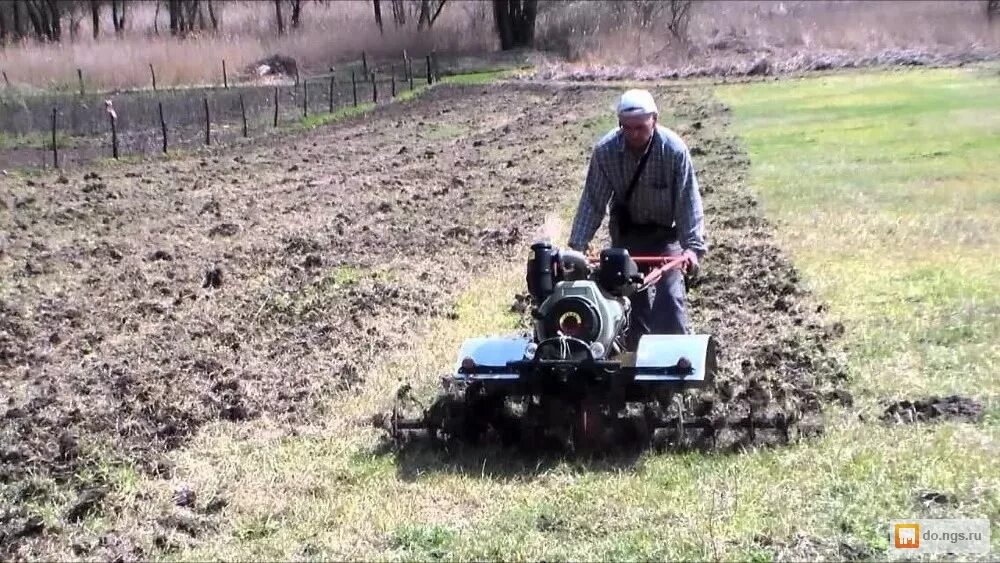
(575, 317)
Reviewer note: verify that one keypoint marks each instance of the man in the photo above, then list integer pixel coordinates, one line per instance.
(661, 216)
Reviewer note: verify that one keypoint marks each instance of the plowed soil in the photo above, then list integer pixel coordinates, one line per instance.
(141, 301)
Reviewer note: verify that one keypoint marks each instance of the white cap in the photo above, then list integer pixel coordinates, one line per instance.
(636, 102)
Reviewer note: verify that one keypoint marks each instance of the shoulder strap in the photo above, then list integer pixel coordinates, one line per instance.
(638, 169)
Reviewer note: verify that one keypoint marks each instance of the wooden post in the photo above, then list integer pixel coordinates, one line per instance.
(55, 149)
(114, 135)
(5, 79)
(331, 90)
(392, 71)
(225, 78)
(275, 106)
(354, 88)
(305, 98)
(296, 78)
(208, 123)
(374, 89)
(364, 63)
(153, 73)
(79, 74)
(429, 79)
(406, 66)
(243, 110)
(409, 71)
(163, 128)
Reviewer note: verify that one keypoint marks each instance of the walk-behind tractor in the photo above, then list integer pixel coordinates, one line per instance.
(575, 382)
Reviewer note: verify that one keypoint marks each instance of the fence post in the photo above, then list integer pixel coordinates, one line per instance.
(364, 63)
(163, 127)
(409, 71)
(275, 106)
(243, 111)
(429, 79)
(406, 66)
(331, 89)
(354, 88)
(55, 149)
(305, 98)
(5, 79)
(208, 123)
(79, 74)
(374, 89)
(225, 78)
(114, 134)
(153, 72)
(392, 70)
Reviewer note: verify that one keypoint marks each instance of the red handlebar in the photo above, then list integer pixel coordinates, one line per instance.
(664, 264)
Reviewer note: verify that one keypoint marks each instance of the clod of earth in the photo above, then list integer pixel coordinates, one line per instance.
(933, 409)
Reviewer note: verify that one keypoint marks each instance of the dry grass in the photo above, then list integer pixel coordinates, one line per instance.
(722, 33)
(583, 33)
(330, 33)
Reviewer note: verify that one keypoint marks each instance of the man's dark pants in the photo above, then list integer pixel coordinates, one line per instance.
(661, 308)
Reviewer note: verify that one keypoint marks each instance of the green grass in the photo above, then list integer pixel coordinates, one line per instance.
(35, 140)
(327, 492)
(885, 187)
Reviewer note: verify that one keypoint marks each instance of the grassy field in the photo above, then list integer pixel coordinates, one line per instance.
(883, 188)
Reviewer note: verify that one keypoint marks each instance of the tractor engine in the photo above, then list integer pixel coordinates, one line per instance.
(570, 299)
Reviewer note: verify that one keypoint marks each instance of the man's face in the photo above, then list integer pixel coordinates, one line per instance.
(638, 130)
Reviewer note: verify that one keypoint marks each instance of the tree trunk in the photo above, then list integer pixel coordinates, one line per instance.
(55, 12)
(378, 15)
(277, 16)
(18, 23)
(173, 8)
(121, 18)
(3, 27)
(398, 13)
(425, 14)
(114, 15)
(41, 27)
(296, 13)
(515, 22)
(95, 17)
(434, 16)
(212, 16)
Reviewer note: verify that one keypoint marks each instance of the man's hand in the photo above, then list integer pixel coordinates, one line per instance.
(691, 266)
(592, 253)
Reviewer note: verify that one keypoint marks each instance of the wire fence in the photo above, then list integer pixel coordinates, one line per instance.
(52, 130)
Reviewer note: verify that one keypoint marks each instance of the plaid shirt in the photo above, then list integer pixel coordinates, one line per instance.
(666, 193)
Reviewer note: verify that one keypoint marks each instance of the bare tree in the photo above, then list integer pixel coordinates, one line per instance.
(377, 6)
(118, 15)
(427, 7)
(212, 16)
(992, 10)
(646, 11)
(679, 12)
(95, 17)
(296, 12)
(398, 13)
(515, 22)
(277, 17)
